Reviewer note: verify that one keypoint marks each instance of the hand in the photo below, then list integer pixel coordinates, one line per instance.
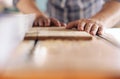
(44, 21)
(94, 27)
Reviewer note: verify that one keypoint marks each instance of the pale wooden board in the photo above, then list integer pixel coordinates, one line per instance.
(57, 33)
(32, 34)
(66, 59)
(76, 55)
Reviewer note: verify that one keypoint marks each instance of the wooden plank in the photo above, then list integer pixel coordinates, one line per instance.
(63, 59)
(57, 33)
(32, 34)
(38, 74)
(77, 55)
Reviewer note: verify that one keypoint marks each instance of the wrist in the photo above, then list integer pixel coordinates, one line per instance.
(99, 20)
(39, 14)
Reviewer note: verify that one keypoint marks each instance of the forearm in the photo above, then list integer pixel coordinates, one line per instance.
(28, 6)
(110, 14)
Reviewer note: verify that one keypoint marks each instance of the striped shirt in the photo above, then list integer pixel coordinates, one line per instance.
(70, 10)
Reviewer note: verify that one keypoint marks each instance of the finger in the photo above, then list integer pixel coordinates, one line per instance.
(94, 29)
(41, 23)
(46, 22)
(72, 25)
(63, 25)
(35, 23)
(55, 22)
(81, 26)
(88, 27)
(100, 31)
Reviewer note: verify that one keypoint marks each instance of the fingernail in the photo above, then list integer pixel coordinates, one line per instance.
(87, 31)
(99, 33)
(66, 27)
(81, 29)
(92, 33)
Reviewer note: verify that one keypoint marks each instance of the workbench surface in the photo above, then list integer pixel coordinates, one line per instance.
(64, 59)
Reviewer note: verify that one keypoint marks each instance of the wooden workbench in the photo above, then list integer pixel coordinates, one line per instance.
(64, 59)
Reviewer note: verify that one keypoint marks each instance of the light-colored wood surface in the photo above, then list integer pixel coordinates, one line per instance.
(96, 54)
(63, 59)
(70, 59)
(38, 74)
(42, 33)
(32, 34)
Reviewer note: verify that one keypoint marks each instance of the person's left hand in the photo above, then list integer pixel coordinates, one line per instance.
(94, 27)
(44, 21)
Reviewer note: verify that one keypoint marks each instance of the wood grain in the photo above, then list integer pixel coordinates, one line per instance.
(69, 59)
(32, 34)
(63, 59)
(43, 33)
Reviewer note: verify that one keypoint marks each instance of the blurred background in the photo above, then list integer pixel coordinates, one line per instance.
(40, 3)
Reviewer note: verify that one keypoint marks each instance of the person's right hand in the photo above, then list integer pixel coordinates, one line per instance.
(91, 26)
(44, 21)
